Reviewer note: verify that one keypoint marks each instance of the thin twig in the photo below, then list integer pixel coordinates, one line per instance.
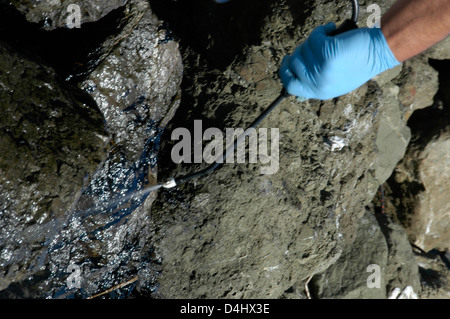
(114, 288)
(308, 295)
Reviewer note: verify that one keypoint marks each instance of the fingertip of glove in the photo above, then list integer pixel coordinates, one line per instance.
(285, 74)
(325, 29)
(330, 27)
(294, 87)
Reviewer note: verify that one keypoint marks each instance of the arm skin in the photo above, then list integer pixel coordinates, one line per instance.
(324, 66)
(412, 26)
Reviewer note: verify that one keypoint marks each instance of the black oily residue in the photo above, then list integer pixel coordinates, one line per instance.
(168, 36)
(71, 52)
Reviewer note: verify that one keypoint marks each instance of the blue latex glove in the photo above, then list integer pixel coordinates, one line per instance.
(325, 67)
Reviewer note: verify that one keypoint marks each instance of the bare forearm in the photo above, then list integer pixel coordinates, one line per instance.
(412, 26)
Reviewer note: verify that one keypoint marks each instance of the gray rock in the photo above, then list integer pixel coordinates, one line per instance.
(350, 277)
(380, 243)
(433, 208)
(53, 14)
(417, 190)
(402, 270)
(393, 135)
(420, 182)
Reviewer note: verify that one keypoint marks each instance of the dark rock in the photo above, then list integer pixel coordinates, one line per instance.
(54, 14)
(401, 269)
(349, 276)
(240, 232)
(52, 139)
(418, 84)
(102, 224)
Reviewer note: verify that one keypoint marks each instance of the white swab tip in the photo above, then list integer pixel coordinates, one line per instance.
(170, 183)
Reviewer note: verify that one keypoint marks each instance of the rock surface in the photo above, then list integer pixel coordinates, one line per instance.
(417, 85)
(137, 88)
(53, 14)
(52, 139)
(378, 243)
(309, 226)
(393, 135)
(103, 227)
(434, 208)
(434, 273)
(420, 181)
(440, 51)
(416, 193)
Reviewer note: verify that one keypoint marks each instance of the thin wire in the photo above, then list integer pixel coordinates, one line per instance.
(355, 11)
(221, 159)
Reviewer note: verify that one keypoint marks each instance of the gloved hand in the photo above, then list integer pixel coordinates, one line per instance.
(325, 67)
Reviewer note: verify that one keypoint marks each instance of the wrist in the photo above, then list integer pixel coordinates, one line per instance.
(412, 26)
(387, 57)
